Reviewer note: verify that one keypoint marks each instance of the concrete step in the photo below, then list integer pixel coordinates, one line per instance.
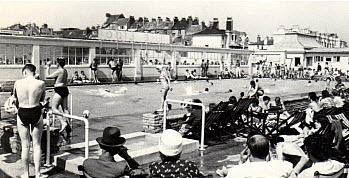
(143, 147)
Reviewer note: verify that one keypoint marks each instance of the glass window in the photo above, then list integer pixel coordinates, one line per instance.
(15, 54)
(102, 54)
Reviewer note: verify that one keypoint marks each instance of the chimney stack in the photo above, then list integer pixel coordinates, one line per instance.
(229, 26)
(190, 20)
(146, 19)
(258, 38)
(132, 20)
(175, 20)
(210, 24)
(203, 25)
(153, 20)
(196, 21)
(159, 20)
(215, 23)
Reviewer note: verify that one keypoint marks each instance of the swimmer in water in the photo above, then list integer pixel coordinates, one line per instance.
(165, 82)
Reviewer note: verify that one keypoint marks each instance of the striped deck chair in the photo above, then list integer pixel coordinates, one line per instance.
(284, 126)
(211, 121)
(234, 117)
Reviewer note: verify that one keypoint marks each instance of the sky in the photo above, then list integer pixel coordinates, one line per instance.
(253, 17)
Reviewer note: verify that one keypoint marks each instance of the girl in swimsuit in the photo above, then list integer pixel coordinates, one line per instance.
(165, 82)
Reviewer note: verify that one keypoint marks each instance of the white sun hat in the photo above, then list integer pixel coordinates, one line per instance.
(171, 143)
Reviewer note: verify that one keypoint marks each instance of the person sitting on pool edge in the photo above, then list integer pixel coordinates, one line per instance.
(170, 147)
(111, 144)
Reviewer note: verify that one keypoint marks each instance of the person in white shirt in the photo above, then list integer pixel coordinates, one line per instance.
(256, 163)
(338, 101)
(318, 149)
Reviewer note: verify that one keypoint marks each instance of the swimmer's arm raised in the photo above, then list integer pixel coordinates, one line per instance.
(53, 75)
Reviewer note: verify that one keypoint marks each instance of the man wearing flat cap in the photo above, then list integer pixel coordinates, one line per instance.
(105, 166)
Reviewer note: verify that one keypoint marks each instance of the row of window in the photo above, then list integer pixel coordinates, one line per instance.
(327, 59)
(15, 54)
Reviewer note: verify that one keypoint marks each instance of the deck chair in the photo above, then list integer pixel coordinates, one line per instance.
(234, 116)
(342, 173)
(284, 126)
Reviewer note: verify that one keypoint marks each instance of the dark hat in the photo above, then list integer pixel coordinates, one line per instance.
(111, 138)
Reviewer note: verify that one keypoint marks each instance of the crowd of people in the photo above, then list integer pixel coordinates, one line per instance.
(275, 70)
(314, 150)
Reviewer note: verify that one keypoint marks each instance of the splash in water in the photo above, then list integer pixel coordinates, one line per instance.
(107, 93)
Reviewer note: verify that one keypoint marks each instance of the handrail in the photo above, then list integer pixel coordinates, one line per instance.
(203, 118)
(87, 126)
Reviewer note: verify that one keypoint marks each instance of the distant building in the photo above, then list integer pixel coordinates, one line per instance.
(213, 37)
(297, 47)
(261, 44)
(27, 30)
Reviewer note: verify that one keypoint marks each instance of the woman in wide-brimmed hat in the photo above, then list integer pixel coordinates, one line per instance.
(170, 147)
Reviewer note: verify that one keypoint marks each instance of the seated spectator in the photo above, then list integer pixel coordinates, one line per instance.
(265, 105)
(318, 149)
(255, 162)
(339, 87)
(338, 101)
(255, 90)
(170, 147)
(83, 77)
(187, 75)
(192, 119)
(232, 103)
(105, 166)
(76, 78)
(326, 101)
(291, 152)
(254, 106)
(279, 104)
(242, 94)
(193, 74)
(313, 108)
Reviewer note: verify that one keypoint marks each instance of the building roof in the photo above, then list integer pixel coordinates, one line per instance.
(296, 42)
(211, 31)
(328, 50)
(164, 25)
(180, 25)
(122, 21)
(111, 19)
(193, 29)
(148, 26)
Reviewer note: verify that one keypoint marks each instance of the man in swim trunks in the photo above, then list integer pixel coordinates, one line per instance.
(165, 82)
(60, 98)
(94, 69)
(112, 66)
(29, 92)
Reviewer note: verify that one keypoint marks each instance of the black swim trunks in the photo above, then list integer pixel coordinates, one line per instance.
(29, 116)
(62, 91)
(113, 68)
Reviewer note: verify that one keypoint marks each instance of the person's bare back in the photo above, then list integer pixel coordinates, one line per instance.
(29, 92)
(61, 76)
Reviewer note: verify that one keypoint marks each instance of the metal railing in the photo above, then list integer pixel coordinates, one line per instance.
(48, 134)
(203, 118)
